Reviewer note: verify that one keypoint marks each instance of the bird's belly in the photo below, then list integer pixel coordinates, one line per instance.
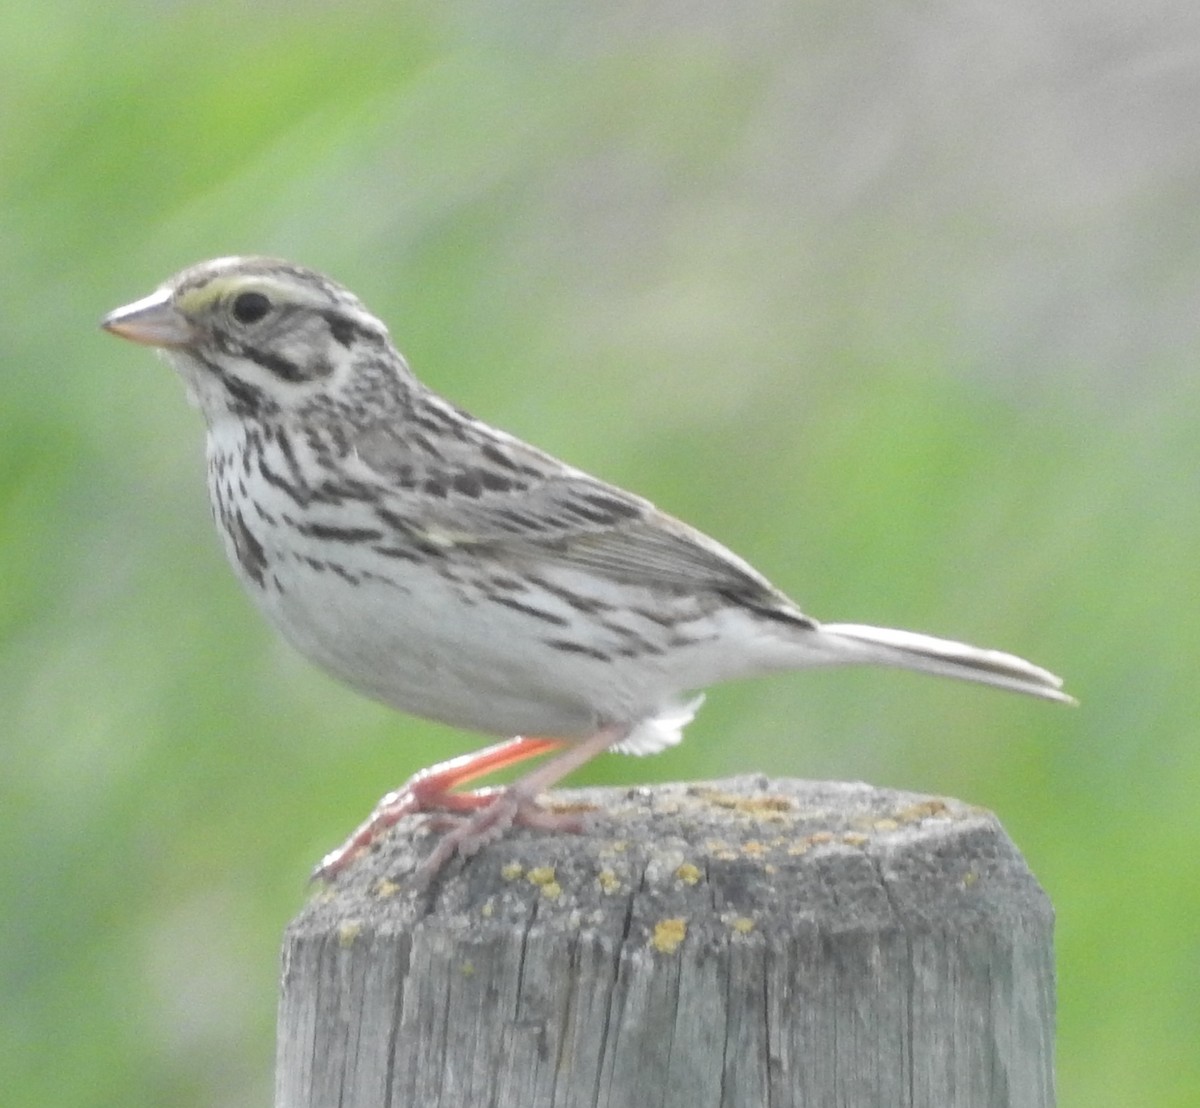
(414, 643)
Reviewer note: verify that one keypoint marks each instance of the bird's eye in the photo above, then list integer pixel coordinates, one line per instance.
(250, 307)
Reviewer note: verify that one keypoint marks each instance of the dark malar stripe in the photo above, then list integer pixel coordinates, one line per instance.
(247, 400)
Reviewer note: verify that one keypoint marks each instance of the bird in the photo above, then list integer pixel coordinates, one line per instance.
(454, 572)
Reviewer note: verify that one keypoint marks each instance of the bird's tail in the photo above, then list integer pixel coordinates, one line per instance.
(909, 650)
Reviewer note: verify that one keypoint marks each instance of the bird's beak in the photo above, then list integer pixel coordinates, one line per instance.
(153, 320)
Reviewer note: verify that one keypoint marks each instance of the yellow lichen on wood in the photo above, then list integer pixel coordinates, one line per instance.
(608, 881)
(668, 935)
(761, 807)
(926, 809)
(543, 878)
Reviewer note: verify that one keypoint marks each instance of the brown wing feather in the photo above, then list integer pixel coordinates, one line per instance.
(486, 490)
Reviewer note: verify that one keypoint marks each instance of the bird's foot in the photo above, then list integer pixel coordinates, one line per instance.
(492, 818)
(480, 817)
(431, 790)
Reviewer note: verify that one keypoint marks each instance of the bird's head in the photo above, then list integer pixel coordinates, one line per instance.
(258, 337)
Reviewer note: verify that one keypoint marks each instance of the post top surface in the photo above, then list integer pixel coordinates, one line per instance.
(729, 859)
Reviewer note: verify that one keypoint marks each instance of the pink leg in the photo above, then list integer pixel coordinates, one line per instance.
(430, 789)
(517, 804)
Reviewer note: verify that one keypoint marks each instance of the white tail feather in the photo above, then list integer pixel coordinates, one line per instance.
(909, 650)
(661, 731)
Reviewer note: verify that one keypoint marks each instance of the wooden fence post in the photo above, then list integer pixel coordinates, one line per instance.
(734, 944)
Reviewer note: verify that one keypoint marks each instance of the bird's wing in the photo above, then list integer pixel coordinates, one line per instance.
(495, 494)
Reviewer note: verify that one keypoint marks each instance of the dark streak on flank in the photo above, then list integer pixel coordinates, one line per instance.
(569, 647)
(661, 618)
(332, 567)
(344, 573)
(633, 641)
(587, 604)
(393, 520)
(340, 534)
(404, 553)
(525, 609)
(250, 554)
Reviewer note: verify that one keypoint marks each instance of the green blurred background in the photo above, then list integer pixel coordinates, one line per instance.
(900, 301)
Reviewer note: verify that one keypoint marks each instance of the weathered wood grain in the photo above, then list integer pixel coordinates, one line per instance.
(748, 942)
